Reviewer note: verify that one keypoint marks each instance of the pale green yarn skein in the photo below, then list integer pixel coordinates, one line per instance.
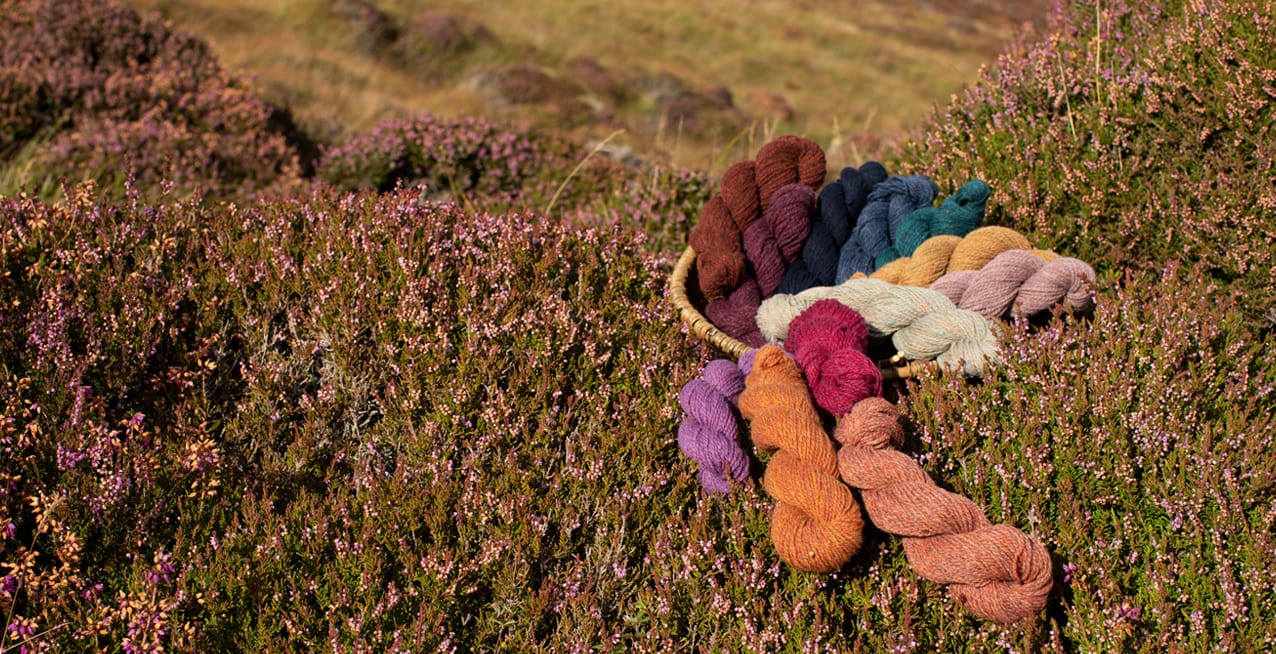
(921, 323)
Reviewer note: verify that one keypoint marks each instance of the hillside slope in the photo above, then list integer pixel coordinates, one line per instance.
(682, 78)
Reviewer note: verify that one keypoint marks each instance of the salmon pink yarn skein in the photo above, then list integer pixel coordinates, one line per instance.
(997, 572)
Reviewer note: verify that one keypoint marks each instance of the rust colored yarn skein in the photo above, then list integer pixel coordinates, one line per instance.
(997, 572)
(726, 279)
(816, 524)
(745, 193)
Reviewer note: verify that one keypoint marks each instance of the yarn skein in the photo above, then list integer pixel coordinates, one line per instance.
(997, 572)
(816, 524)
(775, 241)
(840, 204)
(945, 254)
(959, 214)
(921, 323)
(721, 265)
(888, 204)
(709, 433)
(736, 314)
(1020, 280)
(829, 341)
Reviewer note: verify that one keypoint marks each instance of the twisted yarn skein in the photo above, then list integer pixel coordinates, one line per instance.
(840, 204)
(722, 268)
(735, 313)
(709, 434)
(775, 241)
(1020, 280)
(922, 324)
(997, 572)
(959, 214)
(830, 340)
(816, 524)
(888, 204)
(944, 254)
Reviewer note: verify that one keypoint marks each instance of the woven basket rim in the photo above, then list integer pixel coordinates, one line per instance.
(702, 328)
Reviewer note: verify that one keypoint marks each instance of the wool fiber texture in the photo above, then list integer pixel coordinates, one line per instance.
(816, 525)
(996, 571)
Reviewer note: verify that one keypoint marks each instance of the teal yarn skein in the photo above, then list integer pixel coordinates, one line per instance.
(960, 214)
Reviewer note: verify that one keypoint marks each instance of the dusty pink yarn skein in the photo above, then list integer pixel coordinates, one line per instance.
(1020, 281)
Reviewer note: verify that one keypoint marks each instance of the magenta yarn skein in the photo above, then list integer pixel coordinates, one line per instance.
(829, 341)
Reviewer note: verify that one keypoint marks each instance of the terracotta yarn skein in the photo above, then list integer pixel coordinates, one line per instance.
(944, 254)
(830, 341)
(840, 204)
(921, 323)
(775, 241)
(816, 524)
(745, 193)
(997, 572)
(1020, 280)
(709, 434)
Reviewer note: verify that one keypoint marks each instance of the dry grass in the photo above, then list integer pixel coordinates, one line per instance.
(853, 73)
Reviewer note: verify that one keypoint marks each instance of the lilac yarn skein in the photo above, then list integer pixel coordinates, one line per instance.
(709, 434)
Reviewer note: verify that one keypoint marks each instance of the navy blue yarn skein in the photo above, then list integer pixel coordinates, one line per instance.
(888, 204)
(840, 204)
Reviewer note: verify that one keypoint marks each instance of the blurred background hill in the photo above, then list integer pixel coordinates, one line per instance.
(697, 83)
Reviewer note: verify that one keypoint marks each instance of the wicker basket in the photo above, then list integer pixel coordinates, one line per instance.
(703, 329)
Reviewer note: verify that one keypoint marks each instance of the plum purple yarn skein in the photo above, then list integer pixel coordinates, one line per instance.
(775, 241)
(709, 434)
(829, 341)
(840, 204)
(959, 215)
(888, 204)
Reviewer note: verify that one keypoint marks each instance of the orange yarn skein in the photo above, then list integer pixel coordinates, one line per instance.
(816, 524)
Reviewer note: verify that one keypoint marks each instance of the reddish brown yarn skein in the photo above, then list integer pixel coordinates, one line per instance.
(745, 193)
(998, 572)
(816, 524)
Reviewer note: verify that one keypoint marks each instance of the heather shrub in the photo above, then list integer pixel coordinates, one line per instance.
(1137, 132)
(496, 168)
(451, 157)
(364, 422)
(115, 93)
